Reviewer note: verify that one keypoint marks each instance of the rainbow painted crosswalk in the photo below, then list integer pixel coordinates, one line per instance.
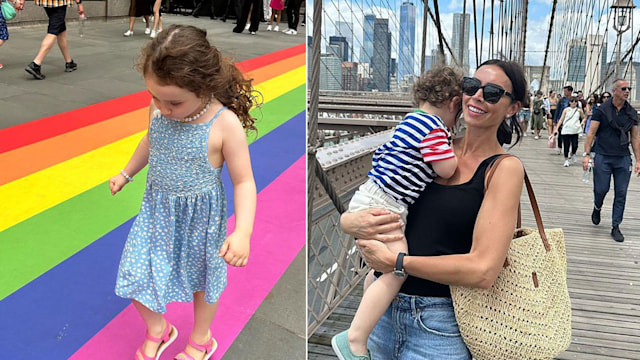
(62, 233)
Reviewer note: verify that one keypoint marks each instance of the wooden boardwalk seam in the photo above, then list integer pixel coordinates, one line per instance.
(603, 275)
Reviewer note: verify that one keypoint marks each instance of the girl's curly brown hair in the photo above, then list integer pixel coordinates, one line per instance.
(437, 86)
(182, 56)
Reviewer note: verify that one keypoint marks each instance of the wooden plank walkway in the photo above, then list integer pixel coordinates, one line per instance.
(603, 275)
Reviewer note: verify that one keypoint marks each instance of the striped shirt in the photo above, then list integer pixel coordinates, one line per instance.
(401, 166)
(54, 3)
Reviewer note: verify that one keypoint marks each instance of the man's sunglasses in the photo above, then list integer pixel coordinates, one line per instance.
(491, 93)
(625, 88)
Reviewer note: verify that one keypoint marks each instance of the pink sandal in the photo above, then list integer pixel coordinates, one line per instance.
(207, 348)
(168, 337)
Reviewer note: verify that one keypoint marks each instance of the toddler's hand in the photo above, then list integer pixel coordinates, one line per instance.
(116, 183)
(235, 249)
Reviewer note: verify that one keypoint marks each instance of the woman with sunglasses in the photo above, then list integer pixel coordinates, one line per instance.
(593, 103)
(465, 241)
(570, 124)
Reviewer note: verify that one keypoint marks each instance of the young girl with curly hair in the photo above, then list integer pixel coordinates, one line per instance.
(178, 244)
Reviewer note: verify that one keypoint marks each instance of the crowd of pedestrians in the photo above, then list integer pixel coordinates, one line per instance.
(609, 126)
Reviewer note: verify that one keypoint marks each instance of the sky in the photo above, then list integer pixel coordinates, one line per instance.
(568, 20)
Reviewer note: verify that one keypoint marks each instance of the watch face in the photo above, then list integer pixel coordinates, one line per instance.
(399, 273)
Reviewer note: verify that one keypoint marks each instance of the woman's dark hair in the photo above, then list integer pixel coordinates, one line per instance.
(514, 72)
(602, 96)
(182, 56)
(596, 99)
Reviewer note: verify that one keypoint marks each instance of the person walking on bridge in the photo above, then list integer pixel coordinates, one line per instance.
(563, 103)
(615, 123)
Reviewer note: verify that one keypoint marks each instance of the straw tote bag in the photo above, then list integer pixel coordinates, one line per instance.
(526, 314)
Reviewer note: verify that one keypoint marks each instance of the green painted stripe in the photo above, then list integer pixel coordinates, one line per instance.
(37, 244)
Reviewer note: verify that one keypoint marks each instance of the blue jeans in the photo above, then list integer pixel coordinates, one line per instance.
(418, 328)
(603, 167)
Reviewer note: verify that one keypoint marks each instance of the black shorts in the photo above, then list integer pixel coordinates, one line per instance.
(56, 16)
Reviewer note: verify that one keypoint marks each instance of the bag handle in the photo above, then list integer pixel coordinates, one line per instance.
(532, 198)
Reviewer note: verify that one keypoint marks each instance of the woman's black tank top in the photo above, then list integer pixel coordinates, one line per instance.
(441, 222)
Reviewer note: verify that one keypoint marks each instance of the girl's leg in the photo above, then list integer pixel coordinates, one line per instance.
(203, 314)
(155, 327)
(374, 303)
(132, 20)
(273, 13)
(574, 144)
(156, 14)
(278, 22)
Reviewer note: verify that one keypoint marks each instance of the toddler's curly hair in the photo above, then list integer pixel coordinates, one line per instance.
(437, 86)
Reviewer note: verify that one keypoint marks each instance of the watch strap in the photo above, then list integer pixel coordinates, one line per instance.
(400, 262)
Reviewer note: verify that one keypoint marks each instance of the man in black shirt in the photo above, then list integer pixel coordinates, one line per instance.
(615, 123)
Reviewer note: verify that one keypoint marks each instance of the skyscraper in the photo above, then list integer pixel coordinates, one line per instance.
(407, 39)
(594, 63)
(342, 43)
(381, 55)
(367, 39)
(460, 41)
(330, 72)
(576, 63)
(345, 29)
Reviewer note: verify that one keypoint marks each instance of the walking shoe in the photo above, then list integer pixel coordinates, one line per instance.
(34, 70)
(128, 33)
(147, 31)
(246, 27)
(616, 234)
(573, 159)
(595, 216)
(277, 28)
(340, 346)
(536, 137)
(70, 66)
(153, 34)
(291, 32)
(252, 32)
(566, 163)
(269, 28)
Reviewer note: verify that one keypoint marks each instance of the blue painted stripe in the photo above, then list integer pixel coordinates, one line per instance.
(55, 314)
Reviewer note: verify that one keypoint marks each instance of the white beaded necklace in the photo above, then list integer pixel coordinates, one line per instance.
(197, 116)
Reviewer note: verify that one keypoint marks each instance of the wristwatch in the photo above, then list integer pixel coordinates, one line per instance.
(399, 269)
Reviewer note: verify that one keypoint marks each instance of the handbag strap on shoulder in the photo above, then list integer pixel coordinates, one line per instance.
(532, 198)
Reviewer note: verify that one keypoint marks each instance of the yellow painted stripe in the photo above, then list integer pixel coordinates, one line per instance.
(279, 85)
(30, 195)
(37, 192)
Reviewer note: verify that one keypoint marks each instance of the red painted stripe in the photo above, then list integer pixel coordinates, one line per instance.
(41, 129)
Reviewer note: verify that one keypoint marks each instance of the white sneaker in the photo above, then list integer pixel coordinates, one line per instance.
(247, 26)
(252, 33)
(536, 137)
(566, 163)
(147, 31)
(291, 32)
(153, 34)
(128, 33)
(573, 159)
(269, 27)
(277, 28)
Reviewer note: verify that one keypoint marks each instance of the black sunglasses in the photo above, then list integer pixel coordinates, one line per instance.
(625, 88)
(491, 93)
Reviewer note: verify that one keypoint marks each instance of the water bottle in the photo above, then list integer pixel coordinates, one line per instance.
(82, 18)
(587, 173)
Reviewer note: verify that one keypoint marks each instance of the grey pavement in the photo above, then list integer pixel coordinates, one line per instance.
(105, 71)
(105, 62)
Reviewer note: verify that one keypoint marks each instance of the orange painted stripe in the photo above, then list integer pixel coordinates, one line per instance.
(49, 152)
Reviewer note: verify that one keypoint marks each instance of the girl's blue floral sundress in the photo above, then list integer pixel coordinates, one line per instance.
(172, 248)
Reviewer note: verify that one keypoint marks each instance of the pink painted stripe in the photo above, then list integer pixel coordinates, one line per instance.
(279, 235)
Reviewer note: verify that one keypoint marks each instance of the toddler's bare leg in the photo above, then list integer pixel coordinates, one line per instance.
(375, 302)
